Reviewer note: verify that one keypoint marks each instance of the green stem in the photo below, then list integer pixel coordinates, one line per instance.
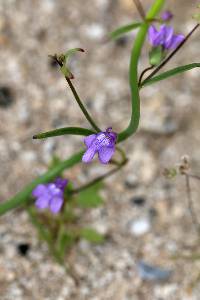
(143, 73)
(21, 197)
(43, 234)
(77, 98)
(99, 178)
(133, 72)
(122, 153)
(168, 58)
(82, 107)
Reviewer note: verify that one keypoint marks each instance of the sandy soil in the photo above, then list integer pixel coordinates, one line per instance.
(39, 100)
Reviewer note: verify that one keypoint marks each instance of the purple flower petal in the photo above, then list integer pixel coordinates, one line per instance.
(96, 142)
(61, 183)
(89, 140)
(176, 40)
(168, 36)
(40, 190)
(42, 202)
(54, 190)
(89, 154)
(102, 139)
(164, 37)
(105, 154)
(166, 15)
(50, 195)
(113, 137)
(160, 38)
(109, 130)
(56, 204)
(152, 34)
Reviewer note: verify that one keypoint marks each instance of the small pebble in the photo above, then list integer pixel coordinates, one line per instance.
(138, 200)
(140, 226)
(153, 212)
(148, 272)
(95, 31)
(23, 249)
(131, 181)
(6, 97)
(122, 41)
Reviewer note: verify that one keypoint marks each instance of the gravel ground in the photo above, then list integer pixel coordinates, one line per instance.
(154, 228)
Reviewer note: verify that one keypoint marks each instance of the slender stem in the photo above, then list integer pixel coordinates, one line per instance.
(143, 73)
(190, 204)
(133, 72)
(194, 176)
(140, 8)
(24, 195)
(154, 20)
(81, 105)
(48, 239)
(172, 54)
(77, 98)
(123, 154)
(44, 234)
(99, 178)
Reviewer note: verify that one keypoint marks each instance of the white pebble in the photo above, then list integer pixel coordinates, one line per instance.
(140, 226)
(94, 31)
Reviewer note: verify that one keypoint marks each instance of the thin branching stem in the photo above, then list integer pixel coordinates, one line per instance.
(99, 178)
(51, 245)
(165, 61)
(133, 73)
(140, 9)
(77, 98)
(143, 73)
(81, 105)
(190, 204)
(194, 176)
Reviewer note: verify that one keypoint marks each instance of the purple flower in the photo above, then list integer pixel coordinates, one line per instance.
(50, 195)
(166, 16)
(102, 143)
(164, 37)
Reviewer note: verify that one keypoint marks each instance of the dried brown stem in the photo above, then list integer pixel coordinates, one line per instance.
(143, 73)
(190, 204)
(140, 9)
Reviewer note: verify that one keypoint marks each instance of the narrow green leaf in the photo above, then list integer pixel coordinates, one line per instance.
(170, 73)
(72, 51)
(62, 61)
(124, 29)
(65, 240)
(63, 131)
(90, 197)
(24, 195)
(55, 160)
(92, 235)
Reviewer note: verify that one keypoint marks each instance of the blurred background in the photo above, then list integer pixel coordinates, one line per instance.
(145, 215)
